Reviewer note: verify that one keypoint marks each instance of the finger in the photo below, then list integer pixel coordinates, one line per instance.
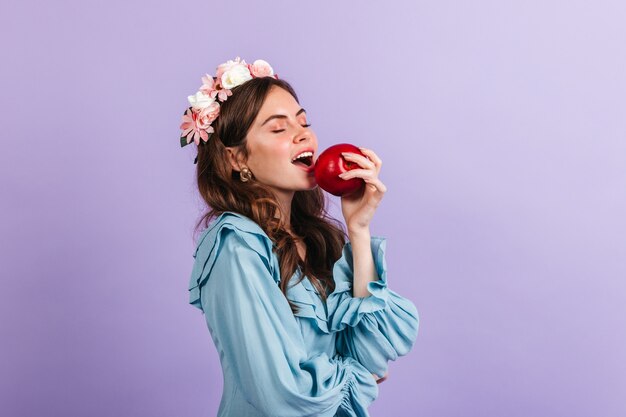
(371, 155)
(359, 159)
(376, 185)
(360, 173)
(363, 161)
(367, 176)
(382, 378)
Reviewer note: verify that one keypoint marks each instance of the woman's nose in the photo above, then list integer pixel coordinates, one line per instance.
(303, 135)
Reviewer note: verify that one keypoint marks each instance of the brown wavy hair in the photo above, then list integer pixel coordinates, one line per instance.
(222, 190)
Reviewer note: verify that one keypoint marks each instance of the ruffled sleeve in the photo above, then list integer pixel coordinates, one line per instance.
(258, 338)
(373, 329)
(209, 244)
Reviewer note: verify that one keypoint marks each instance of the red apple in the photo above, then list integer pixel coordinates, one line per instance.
(331, 163)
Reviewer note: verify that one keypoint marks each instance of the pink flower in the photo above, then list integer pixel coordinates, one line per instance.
(212, 88)
(223, 93)
(195, 127)
(260, 68)
(208, 84)
(208, 115)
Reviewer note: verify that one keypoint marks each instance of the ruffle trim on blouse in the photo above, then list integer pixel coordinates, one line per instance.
(358, 392)
(208, 246)
(346, 309)
(307, 299)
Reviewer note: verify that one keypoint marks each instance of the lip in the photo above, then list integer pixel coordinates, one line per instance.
(310, 168)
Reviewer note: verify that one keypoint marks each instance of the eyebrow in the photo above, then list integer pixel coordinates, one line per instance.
(281, 116)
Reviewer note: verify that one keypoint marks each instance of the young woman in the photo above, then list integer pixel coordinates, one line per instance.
(303, 321)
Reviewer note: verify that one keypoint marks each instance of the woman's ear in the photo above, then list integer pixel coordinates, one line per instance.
(233, 158)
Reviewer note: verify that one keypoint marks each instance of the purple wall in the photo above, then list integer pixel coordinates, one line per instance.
(501, 127)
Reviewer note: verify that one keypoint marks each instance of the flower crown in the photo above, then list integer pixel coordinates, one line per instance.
(205, 104)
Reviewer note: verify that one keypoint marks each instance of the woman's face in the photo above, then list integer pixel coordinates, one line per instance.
(280, 133)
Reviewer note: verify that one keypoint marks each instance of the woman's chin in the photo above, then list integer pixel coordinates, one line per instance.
(312, 182)
(311, 186)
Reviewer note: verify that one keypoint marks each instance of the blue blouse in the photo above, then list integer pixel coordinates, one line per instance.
(316, 363)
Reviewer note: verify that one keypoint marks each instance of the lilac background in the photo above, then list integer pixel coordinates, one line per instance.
(501, 127)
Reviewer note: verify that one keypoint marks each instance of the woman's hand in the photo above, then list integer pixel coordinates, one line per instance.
(358, 207)
(379, 379)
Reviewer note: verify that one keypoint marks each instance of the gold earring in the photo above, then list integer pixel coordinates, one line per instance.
(245, 174)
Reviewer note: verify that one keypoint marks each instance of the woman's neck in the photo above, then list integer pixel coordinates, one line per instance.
(284, 200)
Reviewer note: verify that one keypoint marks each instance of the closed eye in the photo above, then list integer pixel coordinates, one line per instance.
(282, 130)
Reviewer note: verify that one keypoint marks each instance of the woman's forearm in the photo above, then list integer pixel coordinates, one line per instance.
(363, 267)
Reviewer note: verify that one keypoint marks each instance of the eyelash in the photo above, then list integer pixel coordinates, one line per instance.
(281, 130)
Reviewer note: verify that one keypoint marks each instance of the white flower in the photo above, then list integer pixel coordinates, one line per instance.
(200, 100)
(236, 75)
(226, 66)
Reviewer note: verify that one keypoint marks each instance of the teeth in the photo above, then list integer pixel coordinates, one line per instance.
(302, 155)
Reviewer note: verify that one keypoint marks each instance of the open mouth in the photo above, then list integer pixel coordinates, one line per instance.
(305, 160)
